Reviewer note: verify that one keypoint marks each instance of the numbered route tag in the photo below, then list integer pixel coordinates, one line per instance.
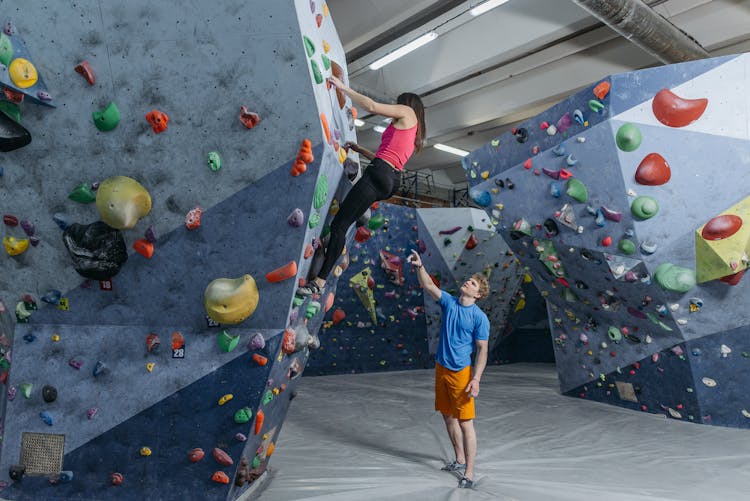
(64, 304)
(178, 345)
(105, 285)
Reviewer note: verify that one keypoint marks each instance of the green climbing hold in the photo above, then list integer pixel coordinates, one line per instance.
(297, 301)
(376, 221)
(314, 220)
(227, 342)
(256, 462)
(214, 160)
(577, 190)
(321, 192)
(243, 415)
(628, 137)
(25, 389)
(325, 231)
(108, 118)
(312, 309)
(326, 61)
(614, 334)
(644, 207)
(309, 46)
(11, 109)
(674, 278)
(83, 194)
(316, 72)
(626, 246)
(596, 106)
(523, 227)
(6, 50)
(267, 397)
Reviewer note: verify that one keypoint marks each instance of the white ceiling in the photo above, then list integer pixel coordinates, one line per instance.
(484, 74)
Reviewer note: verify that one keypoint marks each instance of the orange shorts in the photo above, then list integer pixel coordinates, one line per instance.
(450, 392)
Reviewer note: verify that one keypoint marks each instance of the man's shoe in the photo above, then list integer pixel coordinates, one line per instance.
(309, 289)
(454, 466)
(465, 483)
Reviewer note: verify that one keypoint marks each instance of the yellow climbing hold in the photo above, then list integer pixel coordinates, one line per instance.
(326, 47)
(150, 366)
(145, 451)
(231, 300)
(226, 398)
(325, 9)
(122, 201)
(342, 155)
(14, 246)
(55, 337)
(485, 174)
(23, 73)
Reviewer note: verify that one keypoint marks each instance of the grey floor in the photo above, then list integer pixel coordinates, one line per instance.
(376, 437)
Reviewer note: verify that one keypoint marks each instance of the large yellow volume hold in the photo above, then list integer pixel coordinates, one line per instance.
(122, 201)
(231, 300)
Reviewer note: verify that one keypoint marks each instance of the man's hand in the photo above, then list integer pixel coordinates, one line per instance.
(473, 388)
(414, 259)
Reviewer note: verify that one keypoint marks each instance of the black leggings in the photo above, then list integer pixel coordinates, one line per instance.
(379, 182)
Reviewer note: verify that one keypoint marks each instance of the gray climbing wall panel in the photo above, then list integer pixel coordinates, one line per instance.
(625, 205)
(122, 407)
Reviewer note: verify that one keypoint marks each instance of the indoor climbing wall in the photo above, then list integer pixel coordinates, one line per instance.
(351, 341)
(182, 162)
(455, 244)
(626, 204)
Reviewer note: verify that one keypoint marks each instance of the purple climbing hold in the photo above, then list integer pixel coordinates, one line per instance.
(34, 241)
(564, 123)
(450, 231)
(240, 437)
(637, 313)
(296, 218)
(11, 393)
(257, 342)
(28, 227)
(75, 363)
(612, 215)
(43, 96)
(91, 412)
(151, 234)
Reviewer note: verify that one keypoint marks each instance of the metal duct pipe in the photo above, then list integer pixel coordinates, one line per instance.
(650, 31)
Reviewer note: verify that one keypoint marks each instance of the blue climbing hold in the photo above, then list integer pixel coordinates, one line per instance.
(481, 198)
(554, 189)
(47, 418)
(578, 116)
(560, 150)
(100, 368)
(52, 297)
(599, 218)
(61, 222)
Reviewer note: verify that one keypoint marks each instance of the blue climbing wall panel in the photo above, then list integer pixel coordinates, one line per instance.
(634, 227)
(120, 407)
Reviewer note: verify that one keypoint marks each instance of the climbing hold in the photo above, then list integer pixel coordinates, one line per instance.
(231, 301)
(86, 71)
(312, 309)
(222, 457)
(317, 75)
(225, 398)
(571, 161)
(107, 119)
(248, 118)
(214, 160)
(338, 316)
(564, 123)
(628, 137)
(607, 241)
(709, 382)
(14, 246)
(259, 359)
(6, 49)
(47, 418)
(52, 296)
(309, 45)
(285, 272)
(49, 393)
(554, 189)
(521, 227)
(193, 218)
(521, 134)
(145, 451)
(116, 479)
(472, 242)
(363, 234)
(23, 73)
(304, 157)
(614, 334)
(150, 366)
(220, 477)
(259, 418)
(195, 455)
(122, 201)
(653, 170)
(626, 246)
(596, 106)
(578, 117)
(577, 190)
(648, 247)
(674, 278)
(97, 250)
(227, 342)
(152, 342)
(296, 218)
(10, 220)
(321, 192)
(675, 111)
(257, 342)
(644, 207)
(100, 369)
(551, 130)
(721, 227)
(601, 90)
(243, 415)
(612, 215)
(240, 437)
(82, 194)
(551, 227)
(144, 247)
(480, 197)
(376, 221)
(158, 120)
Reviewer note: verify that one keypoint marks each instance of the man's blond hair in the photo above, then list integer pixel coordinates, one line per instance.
(484, 284)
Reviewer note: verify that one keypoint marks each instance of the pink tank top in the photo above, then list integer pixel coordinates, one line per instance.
(397, 145)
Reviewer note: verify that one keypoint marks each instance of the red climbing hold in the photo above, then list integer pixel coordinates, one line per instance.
(10, 220)
(152, 342)
(222, 457)
(195, 455)
(144, 247)
(527, 164)
(733, 279)
(287, 345)
(220, 477)
(259, 359)
(158, 120)
(653, 170)
(319, 19)
(565, 174)
(248, 118)
(674, 111)
(722, 227)
(86, 71)
(116, 478)
(193, 218)
(607, 241)
(362, 235)
(178, 341)
(338, 316)
(472, 242)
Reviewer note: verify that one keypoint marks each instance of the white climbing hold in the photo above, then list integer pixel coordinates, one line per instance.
(709, 382)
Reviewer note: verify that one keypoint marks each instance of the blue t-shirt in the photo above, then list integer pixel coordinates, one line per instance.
(460, 328)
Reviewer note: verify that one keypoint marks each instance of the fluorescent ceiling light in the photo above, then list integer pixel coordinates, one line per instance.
(358, 122)
(451, 149)
(403, 50)
(485, 6)
(379, 129)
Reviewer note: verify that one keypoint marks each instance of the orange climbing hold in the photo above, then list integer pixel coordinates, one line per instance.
(308, 251)
(304, 157)
(220, 477)
(248, 118)
(326, 129)
(287, 344)
(269, 451)
(285, 272)
(178, 340)
(329, 302)
(195, 455)
(259, 359)
(338, 316)
(144, 247)
(158, 120)
(259, 417)
(601, 89)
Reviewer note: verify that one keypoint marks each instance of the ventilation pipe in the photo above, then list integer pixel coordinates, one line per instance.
(647, 29)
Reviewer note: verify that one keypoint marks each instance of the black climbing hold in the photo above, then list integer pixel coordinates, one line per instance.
(16, 472)
(12, 134)
(292, 394)
(581, 284)
(500, 183)
(522, 135)
(551, 226)
(98, 251)
(632, 338)
(49, 393)
(509, 184)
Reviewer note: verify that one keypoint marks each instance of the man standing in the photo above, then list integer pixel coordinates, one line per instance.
(463, 325)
